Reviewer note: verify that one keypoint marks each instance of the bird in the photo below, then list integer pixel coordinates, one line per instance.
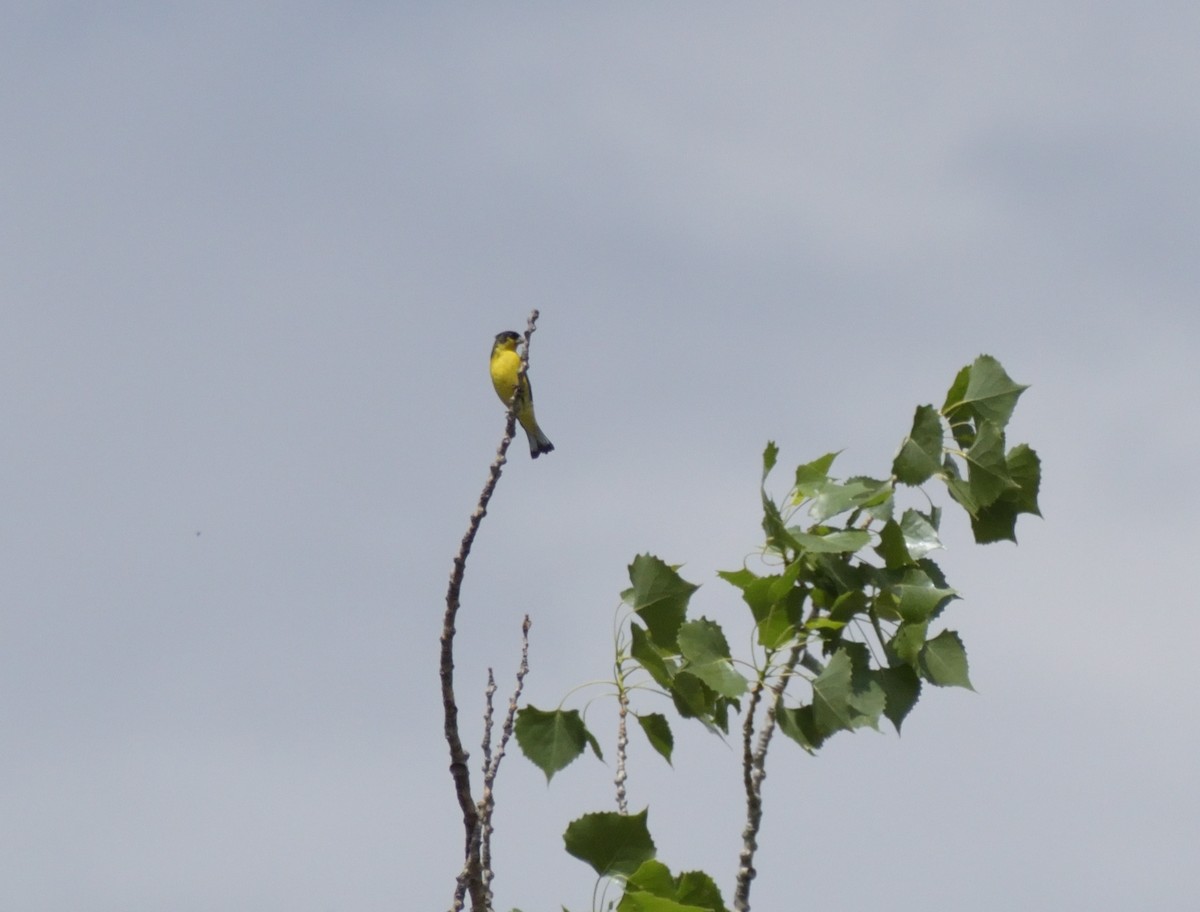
(505, 367)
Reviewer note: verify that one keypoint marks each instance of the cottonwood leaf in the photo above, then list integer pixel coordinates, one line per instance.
(987, 468)
(658, 732)
(659, 596)
(800, 724)
(613, 844)
(892, 546)
(661, 667)
(844, 694)
(918, 597)
(775, 601)
(640, 901)
(920, 535)
(902, 688)
(998, 520)
(989, 394)
(652, 888)
(813, 476)
(944, 661)
(920, 455)
(707, 656)
(552, 740)
(842, 541)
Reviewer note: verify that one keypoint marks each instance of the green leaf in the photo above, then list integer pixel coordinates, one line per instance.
(778, 539)
(740, 578)
(917, 596)
(836, 574)
(658, 732)
(907, 642)
(720, 715)
(933, 571)
(1025, 469)
(989, 393)
(699, 889)
(868, 697)
(773, 527)
(838, 542)
(780, 624)
(944, 661)
(920, 534)
(820, 623)
(775, 601)
(552, 740)
(892, 546)
(652, 884)
(934, 516)
(770, 454)
(811, 662)
(707, 653)
(660, 598)
(693, 698)
(800, 724)
(613, 844)
(844, 695)
(998, 520)
(833, 499)
(847, 605)
(652, 877)
(593, 744)
(876, 492)
(661, 668)
(987, 469)
(885, 607)
(961, 425)
(902, 688)
(958, 488)
(639, 901)
(882, 510)
(812, 476)
(920, 455)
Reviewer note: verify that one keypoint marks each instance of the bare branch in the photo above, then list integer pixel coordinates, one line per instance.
(754, 771)
(488, 713)
(622, 748)
(753, 790)
(470, 879)
(491, 767)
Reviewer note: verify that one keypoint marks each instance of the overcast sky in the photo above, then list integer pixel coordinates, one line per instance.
(253, 258)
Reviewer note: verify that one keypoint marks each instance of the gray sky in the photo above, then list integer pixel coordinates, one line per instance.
(253, 259)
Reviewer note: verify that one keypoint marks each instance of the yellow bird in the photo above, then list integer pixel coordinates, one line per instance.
(506, 365)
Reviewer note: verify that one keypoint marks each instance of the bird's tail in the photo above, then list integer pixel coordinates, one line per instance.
(539, 443)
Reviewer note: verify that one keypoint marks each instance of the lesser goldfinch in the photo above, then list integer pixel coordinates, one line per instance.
(505, 366)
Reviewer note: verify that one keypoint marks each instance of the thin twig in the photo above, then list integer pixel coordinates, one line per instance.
(753, 790)
(488, 714)
(513, 703)
(622, 748)
(470, 879)
(491, 767)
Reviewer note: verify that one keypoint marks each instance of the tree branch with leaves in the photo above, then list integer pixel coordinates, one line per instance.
(846, 609)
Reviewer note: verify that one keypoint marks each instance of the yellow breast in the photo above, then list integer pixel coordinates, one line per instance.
(505, 365)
